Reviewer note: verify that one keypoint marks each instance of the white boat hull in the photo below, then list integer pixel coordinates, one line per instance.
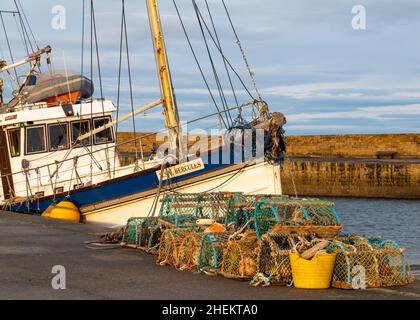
(262, 178)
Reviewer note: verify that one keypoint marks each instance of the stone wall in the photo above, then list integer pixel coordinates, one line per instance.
(352, 179)
(354, 146)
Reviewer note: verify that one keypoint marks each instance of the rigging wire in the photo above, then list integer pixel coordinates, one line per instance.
(224, 62)
(8, 45)
(251, 73)
(224, 57)
(131, 86)
(197, 61)
(82, 58)
(23, 27)
(100, 80)
(118, 91)
(27, 22)
(216, 77)
(22, 36)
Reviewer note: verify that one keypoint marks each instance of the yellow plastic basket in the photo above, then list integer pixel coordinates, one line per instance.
(312, 274)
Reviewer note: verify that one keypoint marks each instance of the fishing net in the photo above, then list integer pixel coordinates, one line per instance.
(273, 262)
(130, 234)
(239, 258)
(170, 244)
(148, 235)
(369, 263)
(210, 256)
(188, 251)
(184, 209)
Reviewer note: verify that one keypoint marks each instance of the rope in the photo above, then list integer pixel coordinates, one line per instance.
(293, 180)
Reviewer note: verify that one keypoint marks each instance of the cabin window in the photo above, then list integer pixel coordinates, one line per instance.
(58, 136)
(14, 142)
(105, 136)
(79, 128)
(35, 140)
(58, 190)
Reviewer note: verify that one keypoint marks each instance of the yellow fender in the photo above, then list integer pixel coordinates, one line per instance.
(65, 210)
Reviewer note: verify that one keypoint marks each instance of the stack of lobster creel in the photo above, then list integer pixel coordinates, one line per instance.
(267, 240)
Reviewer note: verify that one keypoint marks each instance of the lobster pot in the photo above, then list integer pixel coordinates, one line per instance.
(130, 234)
(304, 212)
(243, 219)
(319, 217)
(148, 235)
(365, 264)
(265, 218)
(184, 209)
(212, 246)
(170, 244)
(239, 259)
(273, 260)
(188, 252)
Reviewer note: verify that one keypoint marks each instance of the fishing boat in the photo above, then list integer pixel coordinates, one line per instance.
(58, 142)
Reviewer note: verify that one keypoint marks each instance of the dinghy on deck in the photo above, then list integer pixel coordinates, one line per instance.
(54, 89)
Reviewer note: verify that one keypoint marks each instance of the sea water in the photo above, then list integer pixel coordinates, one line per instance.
(397, 220)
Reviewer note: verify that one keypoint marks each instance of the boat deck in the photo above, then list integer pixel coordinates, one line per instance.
(30, 246)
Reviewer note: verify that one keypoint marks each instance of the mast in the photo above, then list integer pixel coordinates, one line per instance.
(169, 103)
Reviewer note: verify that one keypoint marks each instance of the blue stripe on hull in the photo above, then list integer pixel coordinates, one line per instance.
(112, 191)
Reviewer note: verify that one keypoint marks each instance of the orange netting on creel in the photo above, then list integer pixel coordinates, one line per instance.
(169, 245)
(188, 251)
(239, 258)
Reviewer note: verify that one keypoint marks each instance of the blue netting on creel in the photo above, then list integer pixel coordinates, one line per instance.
(380, 243)
(210, 255)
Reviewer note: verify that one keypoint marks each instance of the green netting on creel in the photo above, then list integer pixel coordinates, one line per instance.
(168, 253)
(273, 262)
(212, 246)
(265, 218)
(130, 233)
(183, 209)
(293, 212)
(369, 263)
(148, 235)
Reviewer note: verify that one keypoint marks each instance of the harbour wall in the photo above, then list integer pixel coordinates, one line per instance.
(354, 146)
(352, 178)
(336, 165)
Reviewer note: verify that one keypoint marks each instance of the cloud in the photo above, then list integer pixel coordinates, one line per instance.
(308, 61)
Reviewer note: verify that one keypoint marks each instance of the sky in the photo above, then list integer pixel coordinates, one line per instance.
(309, 62)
